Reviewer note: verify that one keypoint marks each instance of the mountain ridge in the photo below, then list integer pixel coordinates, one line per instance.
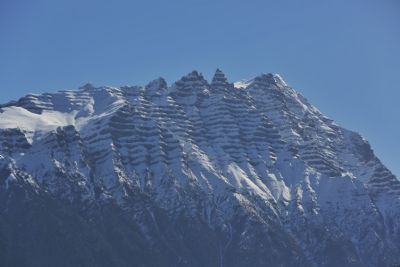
(264, 174)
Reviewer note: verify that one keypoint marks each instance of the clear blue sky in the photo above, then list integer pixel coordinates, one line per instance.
(343, 55)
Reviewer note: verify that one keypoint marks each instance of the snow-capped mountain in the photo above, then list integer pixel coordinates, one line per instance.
(194, 174)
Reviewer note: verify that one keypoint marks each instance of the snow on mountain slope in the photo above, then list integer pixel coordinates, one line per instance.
(17, 117)
(250, 167)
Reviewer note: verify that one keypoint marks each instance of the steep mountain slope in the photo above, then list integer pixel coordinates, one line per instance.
(192, 174)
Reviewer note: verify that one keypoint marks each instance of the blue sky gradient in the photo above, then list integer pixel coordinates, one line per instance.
(344, 56)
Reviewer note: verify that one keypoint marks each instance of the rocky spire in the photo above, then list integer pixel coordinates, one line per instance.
(194, 78)
(156, 88)
(269, 80)
(87, 86)
(159, 83)
(219, 80)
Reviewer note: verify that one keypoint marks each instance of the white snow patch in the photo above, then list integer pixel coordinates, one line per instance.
(242, 84)
(17, 117)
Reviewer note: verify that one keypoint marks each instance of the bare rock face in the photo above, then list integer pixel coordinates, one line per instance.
(191, 174)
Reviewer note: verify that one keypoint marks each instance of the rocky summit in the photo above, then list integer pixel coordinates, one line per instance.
(196, 173)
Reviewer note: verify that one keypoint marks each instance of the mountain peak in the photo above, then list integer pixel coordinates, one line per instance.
(250, 166)
(159, 83)
(87, 86)
(219, 79)
(279, 80)
(156, 88)
(268, 80)
(191, 78)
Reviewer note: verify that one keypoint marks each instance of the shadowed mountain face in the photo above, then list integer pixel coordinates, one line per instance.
(192, 174)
